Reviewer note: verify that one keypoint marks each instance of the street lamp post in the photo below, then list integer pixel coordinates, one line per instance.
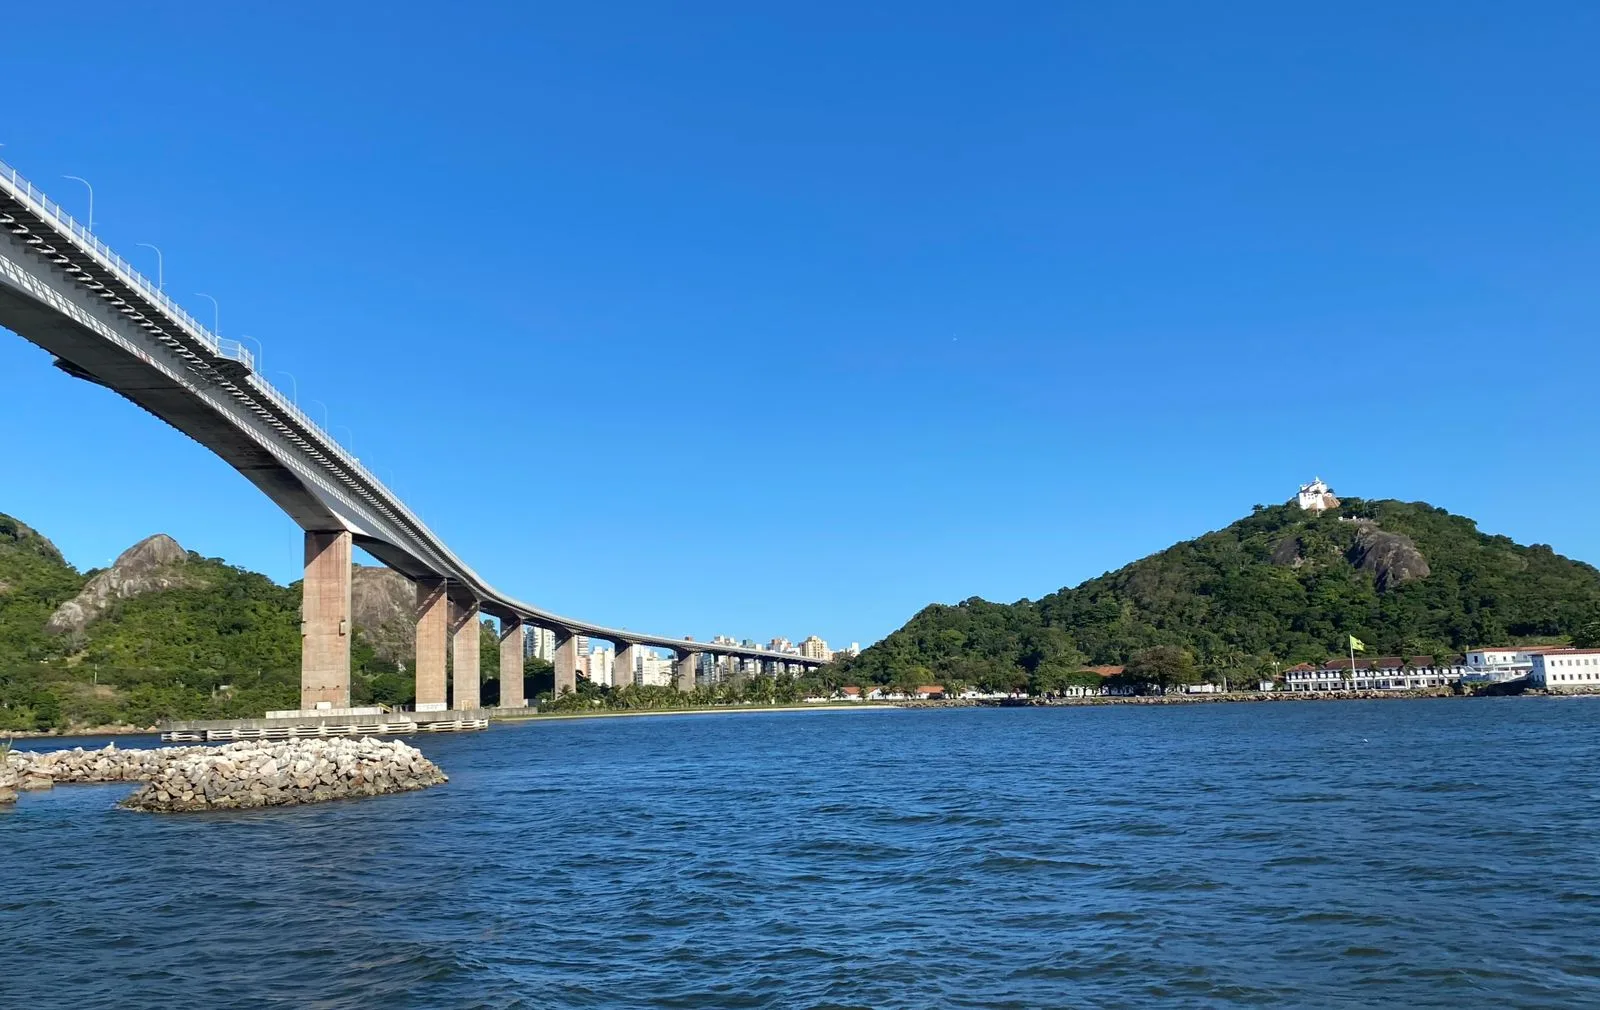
(216, 313)
(90, 188)
(161, 273)
(261, 352)
(294, 385)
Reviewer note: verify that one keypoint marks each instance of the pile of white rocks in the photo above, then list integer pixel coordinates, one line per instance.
(234, 776)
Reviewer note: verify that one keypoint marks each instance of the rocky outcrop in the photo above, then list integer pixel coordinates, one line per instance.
(235, 776)
(1287, 553)
(383, 609)
(151, 565)
(1392, 557)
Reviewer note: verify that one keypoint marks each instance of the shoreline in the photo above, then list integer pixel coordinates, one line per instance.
(840, 706)
(1235, 697)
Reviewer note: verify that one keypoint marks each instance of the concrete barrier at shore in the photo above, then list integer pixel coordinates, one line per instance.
(230, 777)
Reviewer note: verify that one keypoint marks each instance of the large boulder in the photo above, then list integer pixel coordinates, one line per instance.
(1392, 558)
(383, 609)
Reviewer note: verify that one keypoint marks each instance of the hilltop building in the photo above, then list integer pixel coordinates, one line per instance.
(1317, 496)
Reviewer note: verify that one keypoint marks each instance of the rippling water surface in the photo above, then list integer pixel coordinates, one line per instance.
(1382, 854)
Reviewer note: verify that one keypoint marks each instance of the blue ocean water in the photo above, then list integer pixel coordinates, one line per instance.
(1330, 854)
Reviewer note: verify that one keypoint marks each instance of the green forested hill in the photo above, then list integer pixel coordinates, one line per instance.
(34, 579)
(184, 637)
(1280, 586)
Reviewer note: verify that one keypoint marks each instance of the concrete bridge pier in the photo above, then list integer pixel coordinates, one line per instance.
(566, 661)
(432, 623)
(325, 621)
(466, 675)
(511, 687)
(683, 671)
(627, 660)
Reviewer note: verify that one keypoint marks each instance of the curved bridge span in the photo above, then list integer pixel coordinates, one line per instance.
(66, 291)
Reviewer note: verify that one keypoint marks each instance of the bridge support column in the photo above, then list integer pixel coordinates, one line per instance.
(566, 662)
(325, 622)
(683, 671)
(432, 624)
(511, 689)
(466, 676)
(627, 659)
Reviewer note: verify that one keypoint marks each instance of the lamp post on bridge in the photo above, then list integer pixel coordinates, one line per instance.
(90, 188)
(216, 313)
(294, 385)
(261, 352)
(161, 278)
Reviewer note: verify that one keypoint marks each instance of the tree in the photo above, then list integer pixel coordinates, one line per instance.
(1588, 634)
(1163, 667)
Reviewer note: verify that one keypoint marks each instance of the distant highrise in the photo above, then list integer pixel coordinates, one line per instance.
(540, 643)
(653, 669)
(815, 648)
(599, 662)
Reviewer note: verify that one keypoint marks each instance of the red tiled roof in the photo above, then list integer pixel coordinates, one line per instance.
(931, 689)
(1517, 648)
(1105, 671)
(851, 689)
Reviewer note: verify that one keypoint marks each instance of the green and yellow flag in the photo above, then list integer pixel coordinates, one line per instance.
(1357, 645)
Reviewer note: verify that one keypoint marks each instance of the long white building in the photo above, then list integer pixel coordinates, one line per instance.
(1381, 673)
(1566, 670)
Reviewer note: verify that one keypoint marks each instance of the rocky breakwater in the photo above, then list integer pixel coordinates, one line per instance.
(232, 777)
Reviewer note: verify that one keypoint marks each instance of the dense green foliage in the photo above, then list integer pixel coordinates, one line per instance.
(1278, 587)
(780, 690)
(225, 643)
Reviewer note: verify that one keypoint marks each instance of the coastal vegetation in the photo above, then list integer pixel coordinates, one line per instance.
(1278, 587)
(166, 633)
(172, 635)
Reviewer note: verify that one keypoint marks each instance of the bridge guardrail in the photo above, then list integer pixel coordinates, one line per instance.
(54, 211)
(221, 346)
(47, 209)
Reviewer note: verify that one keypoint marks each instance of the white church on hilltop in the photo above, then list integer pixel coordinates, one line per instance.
(1316, 496)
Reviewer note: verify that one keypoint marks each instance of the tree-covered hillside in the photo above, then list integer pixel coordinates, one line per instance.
(175, 635)
(1278, 587)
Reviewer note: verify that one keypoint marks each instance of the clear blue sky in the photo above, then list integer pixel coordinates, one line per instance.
(1021, 292)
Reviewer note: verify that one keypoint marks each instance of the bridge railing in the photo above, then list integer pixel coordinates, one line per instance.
(222, 346)
(46, 207)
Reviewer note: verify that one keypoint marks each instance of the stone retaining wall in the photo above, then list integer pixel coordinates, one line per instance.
(234, 776)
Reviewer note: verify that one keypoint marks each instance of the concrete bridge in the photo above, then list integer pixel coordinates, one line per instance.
(66, 291)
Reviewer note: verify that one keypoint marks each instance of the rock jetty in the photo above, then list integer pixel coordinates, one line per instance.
(231, 777)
